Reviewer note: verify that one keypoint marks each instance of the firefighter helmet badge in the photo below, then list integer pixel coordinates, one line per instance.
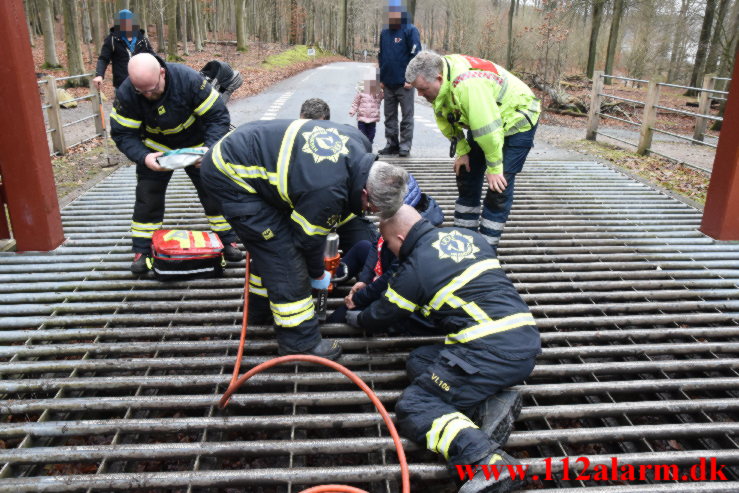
(455, 245)
(325, 144)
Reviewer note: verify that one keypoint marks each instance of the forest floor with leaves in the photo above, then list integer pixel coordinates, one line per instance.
(671, 175)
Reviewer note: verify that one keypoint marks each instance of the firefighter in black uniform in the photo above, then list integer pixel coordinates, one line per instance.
(158, 108)
(283, 185)
(451, 276)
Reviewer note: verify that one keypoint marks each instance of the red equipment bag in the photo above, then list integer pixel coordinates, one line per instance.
(180, 254)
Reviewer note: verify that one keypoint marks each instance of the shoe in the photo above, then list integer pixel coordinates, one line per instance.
(497, 414)
(232, 253)
(325, 349)
(404, 153)
(139, 264)
(388, 151)
(484, 481)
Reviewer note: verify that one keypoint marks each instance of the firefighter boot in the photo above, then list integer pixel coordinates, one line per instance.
(497, 414)
(325, 349)
(497, 473)
(232, 253)
(139, 264)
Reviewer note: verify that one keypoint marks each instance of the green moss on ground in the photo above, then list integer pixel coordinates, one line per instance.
(296, 54)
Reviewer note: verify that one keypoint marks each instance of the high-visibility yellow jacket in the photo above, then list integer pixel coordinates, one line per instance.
(485, 98)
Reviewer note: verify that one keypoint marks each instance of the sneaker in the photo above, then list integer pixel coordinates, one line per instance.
(498, 413)
(139, 264)
(404, 153)
(388, 151)
(232, 253)
(487, 483)
(325, 349)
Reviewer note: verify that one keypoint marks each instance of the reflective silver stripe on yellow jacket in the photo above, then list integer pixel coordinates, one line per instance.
(283, 158)
(126, 122)
(489, 128)
(493, 327)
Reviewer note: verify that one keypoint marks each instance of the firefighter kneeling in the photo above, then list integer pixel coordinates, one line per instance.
(456, 402)
(283, 185)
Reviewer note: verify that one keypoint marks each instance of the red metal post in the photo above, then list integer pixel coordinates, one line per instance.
(721, 214)
(28, 178)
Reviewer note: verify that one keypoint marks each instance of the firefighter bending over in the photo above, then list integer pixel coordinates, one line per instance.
(161, 107)
(456, 403)
(500, 114)
(283, 185)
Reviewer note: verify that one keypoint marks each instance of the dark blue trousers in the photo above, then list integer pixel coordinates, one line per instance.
(447, 382)
(496, 206)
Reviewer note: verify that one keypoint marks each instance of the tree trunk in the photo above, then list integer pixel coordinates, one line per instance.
(677, 40)
(75, 65)
(343, 19)
(509, 48)
(732, 43)
(198, 39)
(160, 26)
(700, 55)
(594, 29)
(618, 10)
(86, 27)
(31, 38)
(412, 10)
(240, 25)
(97, 25)
(715, 47)
(51, 60)
(172, 55)
(184, 22)
(122, 4)
(293, 32)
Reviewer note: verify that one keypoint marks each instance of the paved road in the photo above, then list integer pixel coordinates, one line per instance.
(336, 84)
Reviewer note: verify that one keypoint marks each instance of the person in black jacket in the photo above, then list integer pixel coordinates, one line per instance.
(284, 185)
(161, 107)
(451, 276)
(124, 41)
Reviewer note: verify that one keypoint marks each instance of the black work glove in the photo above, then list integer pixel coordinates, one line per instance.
(352, 318)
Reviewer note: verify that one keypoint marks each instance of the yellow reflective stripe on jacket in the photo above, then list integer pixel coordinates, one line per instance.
(228, 168)
(444, 430)
(310, 229)
(169, 131)
(256, 287)
(493, 327)
(250, 172)
(346, 220)
(156, 145)
(283, 158)
(486, 129)
(397, 299)
(470, 273)
(126, 122)
(218, 223)
(144, 230)
(293, 314)
(206, 105)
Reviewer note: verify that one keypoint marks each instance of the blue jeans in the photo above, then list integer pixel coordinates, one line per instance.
(496, 206)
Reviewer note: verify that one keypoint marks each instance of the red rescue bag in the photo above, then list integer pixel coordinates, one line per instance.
(180, 254)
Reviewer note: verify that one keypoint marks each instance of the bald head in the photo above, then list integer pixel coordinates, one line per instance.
(395, 228)
(147, 75)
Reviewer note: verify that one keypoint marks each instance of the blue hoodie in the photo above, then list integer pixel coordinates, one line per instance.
(397, 48)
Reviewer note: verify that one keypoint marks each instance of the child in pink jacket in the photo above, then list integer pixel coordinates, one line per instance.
(366, 106)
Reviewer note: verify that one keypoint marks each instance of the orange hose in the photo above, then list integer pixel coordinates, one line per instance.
(237, 382)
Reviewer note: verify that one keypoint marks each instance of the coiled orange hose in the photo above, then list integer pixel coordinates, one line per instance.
(237, 382)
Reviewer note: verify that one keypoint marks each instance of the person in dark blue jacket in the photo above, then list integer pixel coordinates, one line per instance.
(283, 185)
(160, 107)
(399, 43)
(457, 402)
(124, 41)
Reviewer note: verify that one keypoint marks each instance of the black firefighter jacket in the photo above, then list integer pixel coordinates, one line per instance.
(190, 113)
(115, 51)
(451, 276)
(313, 170)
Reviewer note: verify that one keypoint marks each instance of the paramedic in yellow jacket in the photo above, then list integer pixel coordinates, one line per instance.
(499, 113)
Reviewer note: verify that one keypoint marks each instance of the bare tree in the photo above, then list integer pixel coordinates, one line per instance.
(718, 31)
(158, 7)
(594, 29)
(75, 65)
(171, 8)
(240, 25)
(197, 36)
(700, 56)
(183, 27)
(678, 40)
(51, 60)
(618, 11)
(509, 47)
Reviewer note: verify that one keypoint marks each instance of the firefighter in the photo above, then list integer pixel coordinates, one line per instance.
(456, 402)
(158, 108)
(283, 185)
(500, 114)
